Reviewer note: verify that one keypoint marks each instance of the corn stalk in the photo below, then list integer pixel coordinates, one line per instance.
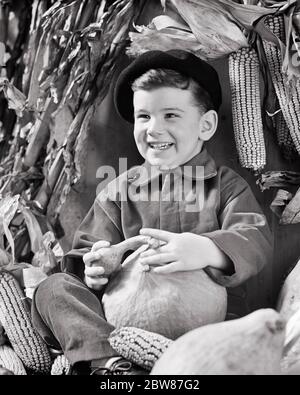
(70, 59)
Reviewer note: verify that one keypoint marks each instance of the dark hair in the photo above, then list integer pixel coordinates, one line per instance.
(157, 78)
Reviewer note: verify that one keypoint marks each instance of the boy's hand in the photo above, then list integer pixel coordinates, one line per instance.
(94, 272)
(180, 252)
(183, 252)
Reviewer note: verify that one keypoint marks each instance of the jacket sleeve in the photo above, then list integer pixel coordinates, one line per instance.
(244, 234)
(103, 222)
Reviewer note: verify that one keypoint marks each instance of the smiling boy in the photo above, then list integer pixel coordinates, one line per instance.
(172, 98)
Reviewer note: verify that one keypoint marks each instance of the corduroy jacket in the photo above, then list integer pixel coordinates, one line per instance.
(198, 197)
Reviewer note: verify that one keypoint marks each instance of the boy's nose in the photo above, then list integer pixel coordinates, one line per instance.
(156, 132)
(155, 128)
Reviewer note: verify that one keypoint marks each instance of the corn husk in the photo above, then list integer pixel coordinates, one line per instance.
(165, 34)
(291, 63)
(282, 198)
(278, 179)
(209, 31)
(211, 24)
(291, 214)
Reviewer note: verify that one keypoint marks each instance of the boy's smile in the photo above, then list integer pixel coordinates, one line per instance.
(167, 126)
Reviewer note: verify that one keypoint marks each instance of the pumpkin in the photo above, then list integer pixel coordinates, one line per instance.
(166, 304)
(251, 345)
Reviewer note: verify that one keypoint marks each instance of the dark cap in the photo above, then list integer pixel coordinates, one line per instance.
(182, 61)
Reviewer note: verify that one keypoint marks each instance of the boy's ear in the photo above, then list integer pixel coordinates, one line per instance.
(208, 125)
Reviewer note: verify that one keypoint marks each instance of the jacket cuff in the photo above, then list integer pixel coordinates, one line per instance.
(72, 262)
(236, 250)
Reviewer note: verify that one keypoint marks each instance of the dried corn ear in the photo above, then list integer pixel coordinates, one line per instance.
(288, 96)
(139, 346)
(284, 138)
(246, 108)
(61, 366)
(15, 319)
(10, 361)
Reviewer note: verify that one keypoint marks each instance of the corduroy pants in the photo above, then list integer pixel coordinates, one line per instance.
(70, 317)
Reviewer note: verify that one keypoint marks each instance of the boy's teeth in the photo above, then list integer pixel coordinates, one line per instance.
(161, 146)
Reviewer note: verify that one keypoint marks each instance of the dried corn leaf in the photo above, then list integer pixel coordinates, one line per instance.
(33, 228)
(35, 34)
(8, 209)
(296, 42)
(4, 258)
(281, 200)
(111, 38)
(210, 31)
(274, 3)
(2, 54)
(48, 32)
(149, 39)
(212, 25)
(61, 121)
(247, 14)
(32, 277)
(39, 134)
(55, 168)
(291, 63)
(291, 214)
(45, 258)
(15, 98)
(278, 179)
(55, 20)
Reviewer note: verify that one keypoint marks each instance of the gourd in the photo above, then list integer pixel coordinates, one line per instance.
(166, 304)
(289, 307)
(289, 298)
(251, 345)
(139, 346)
(110, 258)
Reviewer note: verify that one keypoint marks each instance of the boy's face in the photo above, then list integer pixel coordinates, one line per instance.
(167, 126)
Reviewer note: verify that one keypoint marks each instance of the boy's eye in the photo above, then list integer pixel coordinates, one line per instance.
(171, 115)
(143, 116)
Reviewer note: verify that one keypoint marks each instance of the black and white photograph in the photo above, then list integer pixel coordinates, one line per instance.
(149, 190)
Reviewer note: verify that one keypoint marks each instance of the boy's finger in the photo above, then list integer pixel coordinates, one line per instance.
(161, 250)
(148, 253)
(94, 271)
(89, 257)
(167, 269)
(96, 284)
(155, 244)
(157, 234)
(158, 259)
(98, 281)
(100, 244)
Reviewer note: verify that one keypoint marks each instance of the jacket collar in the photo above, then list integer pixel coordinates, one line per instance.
(201, 167)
